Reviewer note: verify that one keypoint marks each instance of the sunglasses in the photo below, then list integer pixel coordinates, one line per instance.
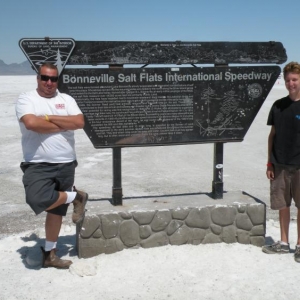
(46, 78)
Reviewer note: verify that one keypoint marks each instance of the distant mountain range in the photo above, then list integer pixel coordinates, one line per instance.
(23, 68)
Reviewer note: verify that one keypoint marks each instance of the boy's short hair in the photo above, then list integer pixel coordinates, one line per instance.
(292, 67)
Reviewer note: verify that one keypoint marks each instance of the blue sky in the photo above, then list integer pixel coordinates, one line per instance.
(153, 20)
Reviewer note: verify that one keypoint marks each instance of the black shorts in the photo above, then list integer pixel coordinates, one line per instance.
(43, 181)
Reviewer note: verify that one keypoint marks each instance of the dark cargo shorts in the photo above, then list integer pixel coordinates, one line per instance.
(285, 187)
(43, 181)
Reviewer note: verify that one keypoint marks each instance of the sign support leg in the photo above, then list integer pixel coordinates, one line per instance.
(117, 177)
(217, 184)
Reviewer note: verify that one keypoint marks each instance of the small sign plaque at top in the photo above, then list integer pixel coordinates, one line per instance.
(55, 51)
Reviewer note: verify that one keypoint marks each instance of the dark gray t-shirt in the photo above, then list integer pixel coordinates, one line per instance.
(285, 116)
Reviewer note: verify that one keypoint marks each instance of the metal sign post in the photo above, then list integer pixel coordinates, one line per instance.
(217, 184)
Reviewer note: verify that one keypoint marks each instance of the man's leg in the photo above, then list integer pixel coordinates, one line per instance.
(284, 221)
(79, 200)
(298, 226)
(62, 198)
(280, 196)
(52, 227)
(297, 249)
(281, 246)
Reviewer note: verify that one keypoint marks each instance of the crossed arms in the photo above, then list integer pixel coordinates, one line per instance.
(55, 123)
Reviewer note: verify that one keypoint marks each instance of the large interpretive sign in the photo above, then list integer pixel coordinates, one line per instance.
(161, 106)
(127, 107)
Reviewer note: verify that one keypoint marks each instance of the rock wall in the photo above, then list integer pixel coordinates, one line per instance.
(115, 231)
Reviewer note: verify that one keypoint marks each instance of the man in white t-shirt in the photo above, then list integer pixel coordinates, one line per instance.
(47, 120)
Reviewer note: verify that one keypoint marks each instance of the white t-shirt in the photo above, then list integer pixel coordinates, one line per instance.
(53, 147)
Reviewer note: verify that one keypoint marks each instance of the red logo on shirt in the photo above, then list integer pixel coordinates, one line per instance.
(59, 106)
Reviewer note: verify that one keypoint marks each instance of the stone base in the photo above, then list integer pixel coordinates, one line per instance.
(176, 220)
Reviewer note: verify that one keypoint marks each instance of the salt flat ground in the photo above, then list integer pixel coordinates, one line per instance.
(215, 271)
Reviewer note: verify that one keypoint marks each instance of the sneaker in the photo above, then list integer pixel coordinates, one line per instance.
(50, 259)
(297, 254)
(79, 206)
(277, 248)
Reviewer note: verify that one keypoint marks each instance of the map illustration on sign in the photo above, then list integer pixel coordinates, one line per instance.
(229, 113)
(55, 51)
